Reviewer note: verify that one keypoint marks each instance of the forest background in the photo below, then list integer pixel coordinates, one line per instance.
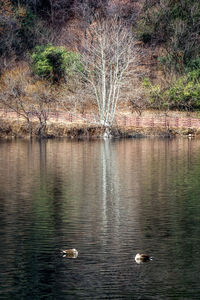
(98, 56)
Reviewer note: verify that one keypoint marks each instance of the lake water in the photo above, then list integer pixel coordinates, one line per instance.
(110, 200)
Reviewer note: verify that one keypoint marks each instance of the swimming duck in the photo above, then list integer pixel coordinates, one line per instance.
(139, 258)
(70, 253)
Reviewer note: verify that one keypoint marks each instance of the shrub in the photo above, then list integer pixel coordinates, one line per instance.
(194, 64)
(193, 67)
(183, 94)
(55, 63)
(172, 62)
(154, 95)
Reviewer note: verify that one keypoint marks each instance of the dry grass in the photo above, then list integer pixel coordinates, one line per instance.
(18, 129)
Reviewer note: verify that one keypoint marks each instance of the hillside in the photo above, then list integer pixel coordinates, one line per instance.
(46, 45)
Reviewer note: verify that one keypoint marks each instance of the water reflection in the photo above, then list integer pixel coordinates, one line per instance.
(109, 200)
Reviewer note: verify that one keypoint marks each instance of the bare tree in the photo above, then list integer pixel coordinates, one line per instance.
(29, 99)
(13, 94)
(108, 60)
(42, 102)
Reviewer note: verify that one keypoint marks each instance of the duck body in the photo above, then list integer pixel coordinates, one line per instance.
(139, 258)
(70, 253)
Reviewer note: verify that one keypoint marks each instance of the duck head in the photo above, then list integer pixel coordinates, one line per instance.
(140, 258)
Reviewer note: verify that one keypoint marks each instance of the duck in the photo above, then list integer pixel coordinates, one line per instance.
(140, 258)
(70, 253)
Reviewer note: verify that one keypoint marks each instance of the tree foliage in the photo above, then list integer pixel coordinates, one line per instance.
(174, 24)
(20, 30)
(55, 63)
(182, 94)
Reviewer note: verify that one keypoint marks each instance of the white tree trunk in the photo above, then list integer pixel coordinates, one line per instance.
(107, 59)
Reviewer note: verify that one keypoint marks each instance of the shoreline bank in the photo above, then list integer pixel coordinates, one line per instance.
(19, 129)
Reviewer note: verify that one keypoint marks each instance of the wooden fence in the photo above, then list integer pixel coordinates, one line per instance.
(157, 121)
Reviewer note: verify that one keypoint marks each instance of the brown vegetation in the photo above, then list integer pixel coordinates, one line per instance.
(127, 124)
(164, 37)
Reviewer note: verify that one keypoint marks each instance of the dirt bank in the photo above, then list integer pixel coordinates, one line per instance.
(19, 129)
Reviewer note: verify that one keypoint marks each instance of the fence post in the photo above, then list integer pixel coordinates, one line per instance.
(70, 117)
(5, 113)
(83, 117)
(152, 122)
(137, 121)
(124, 120)
(177, 122)
(189, 123)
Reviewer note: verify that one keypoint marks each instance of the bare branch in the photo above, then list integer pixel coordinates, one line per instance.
(108, 56)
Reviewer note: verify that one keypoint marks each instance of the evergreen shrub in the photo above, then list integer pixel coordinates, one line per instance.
(55, 63)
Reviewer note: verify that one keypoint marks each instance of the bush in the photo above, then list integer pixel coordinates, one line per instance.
(55, 63)
(172, 62)
(193, 67)
(194, 64)
(183, 94)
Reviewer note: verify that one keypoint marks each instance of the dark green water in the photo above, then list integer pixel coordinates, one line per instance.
(109, 200)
